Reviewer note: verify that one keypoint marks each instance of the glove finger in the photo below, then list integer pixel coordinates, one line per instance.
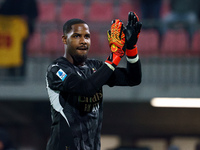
(118, 28)
(114, 29)
(125, 30)
(134, 20)
(138, 27)
(121, 27)
(113, 21)
(109, 35)
(136, 17)
(121, 35)
(113, 26)
(130, 19)
(117, 21)
(108, 32)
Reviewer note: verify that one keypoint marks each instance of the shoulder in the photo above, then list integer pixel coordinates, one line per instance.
(60, 64)
(59, 69)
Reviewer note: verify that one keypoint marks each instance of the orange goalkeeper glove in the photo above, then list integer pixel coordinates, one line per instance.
(116, 39)
(132, 31)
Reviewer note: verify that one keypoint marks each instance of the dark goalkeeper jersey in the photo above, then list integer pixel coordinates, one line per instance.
(75, 94)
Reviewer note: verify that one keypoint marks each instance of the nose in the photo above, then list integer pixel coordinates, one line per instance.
(83, 40)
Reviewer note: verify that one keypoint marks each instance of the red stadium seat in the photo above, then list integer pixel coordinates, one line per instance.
(148, 42)
(175, 42)
(47, 11)
(101, 11)
(53, 43)
(104, 48)
(165, 8)
(99, 44)
(125, 8)
(95, 43)
(34, 44)
(71, 10)
(196, 43)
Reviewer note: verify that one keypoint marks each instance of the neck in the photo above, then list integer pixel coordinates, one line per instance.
(69, 58)
(72, 60)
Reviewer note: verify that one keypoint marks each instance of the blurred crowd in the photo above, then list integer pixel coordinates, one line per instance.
(161, 15)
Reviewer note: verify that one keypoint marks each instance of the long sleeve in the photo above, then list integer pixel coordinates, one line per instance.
(130, 76)
(69, 81)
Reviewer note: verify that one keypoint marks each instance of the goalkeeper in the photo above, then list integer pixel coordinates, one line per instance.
(74, 82)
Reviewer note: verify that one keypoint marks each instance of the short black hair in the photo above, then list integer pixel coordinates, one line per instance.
(67, 26)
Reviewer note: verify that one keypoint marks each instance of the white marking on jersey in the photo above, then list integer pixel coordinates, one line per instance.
(79, 73)
(54, 65)
(54, 100)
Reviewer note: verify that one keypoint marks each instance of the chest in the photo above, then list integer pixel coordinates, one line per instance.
(85, 71)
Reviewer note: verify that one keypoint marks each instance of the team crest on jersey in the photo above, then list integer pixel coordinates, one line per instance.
(94, 70)
(61, 74)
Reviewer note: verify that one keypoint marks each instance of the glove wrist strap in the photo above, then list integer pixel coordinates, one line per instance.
(116, 59)
(132, 52)
(113, 60)
(132, 60)
(110, 66)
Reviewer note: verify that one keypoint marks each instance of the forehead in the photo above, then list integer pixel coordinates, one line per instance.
(80, 28)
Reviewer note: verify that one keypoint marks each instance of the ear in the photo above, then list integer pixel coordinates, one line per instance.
(64, 39)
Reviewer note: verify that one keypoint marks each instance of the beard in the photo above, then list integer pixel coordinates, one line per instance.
(79, 59)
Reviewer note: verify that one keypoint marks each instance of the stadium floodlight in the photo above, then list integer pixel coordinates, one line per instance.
(175, 102)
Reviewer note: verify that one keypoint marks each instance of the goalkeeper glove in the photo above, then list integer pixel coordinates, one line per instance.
(132, 32)
(116, 39)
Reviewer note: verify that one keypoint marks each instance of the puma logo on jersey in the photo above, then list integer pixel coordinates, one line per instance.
(79, 73)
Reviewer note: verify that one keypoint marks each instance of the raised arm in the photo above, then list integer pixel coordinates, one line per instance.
(75, 84)
(131, 75)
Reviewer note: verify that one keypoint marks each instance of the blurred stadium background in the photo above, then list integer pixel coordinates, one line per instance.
(171, 68)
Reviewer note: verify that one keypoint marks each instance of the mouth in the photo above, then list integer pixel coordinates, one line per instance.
(82, 48)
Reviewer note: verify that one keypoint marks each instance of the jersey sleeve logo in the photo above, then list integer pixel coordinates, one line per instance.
(61, 74)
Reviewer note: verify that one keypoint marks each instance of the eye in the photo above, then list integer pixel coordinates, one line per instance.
(87, 36)
(76, 36)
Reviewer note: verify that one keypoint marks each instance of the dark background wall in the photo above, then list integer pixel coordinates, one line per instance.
(28, 122)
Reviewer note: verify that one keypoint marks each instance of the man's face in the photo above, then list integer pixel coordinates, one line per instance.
(78, 42)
